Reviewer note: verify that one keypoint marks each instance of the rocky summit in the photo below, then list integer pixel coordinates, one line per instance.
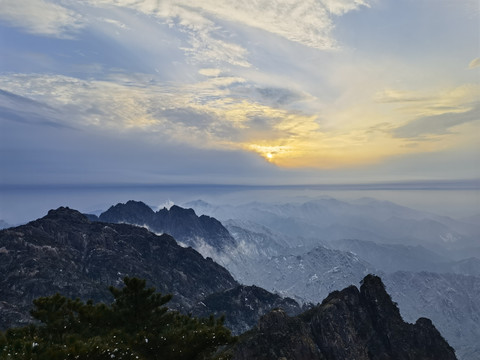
(65, 252)
(349, 324)
(183, 224)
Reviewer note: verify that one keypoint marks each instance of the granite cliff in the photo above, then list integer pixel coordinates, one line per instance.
(352, 323)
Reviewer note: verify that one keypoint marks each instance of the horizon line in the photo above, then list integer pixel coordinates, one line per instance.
(457, 184)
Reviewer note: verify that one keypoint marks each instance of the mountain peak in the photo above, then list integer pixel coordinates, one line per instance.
(175, 209)
(183, 224)
(65, 213)
(349, 324)
(132, 212)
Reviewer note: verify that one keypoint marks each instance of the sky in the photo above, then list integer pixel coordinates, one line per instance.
(239, 92)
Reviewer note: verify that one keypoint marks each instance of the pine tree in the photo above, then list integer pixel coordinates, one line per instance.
(137, 325)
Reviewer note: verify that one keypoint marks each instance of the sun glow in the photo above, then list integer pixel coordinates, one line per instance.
(269, 156)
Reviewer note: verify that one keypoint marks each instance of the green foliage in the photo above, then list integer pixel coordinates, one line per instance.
(137, 325)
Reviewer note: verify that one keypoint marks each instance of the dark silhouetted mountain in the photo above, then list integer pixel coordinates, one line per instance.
(243, 306)
(349, 324)
(67, 253)
(183, 224)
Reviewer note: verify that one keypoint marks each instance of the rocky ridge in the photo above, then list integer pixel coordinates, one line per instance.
(67, 253)
(350, 324)
(183, 224)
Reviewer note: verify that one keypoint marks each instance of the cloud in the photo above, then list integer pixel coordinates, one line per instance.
(210, 72)
(41, 17)
(204, 114)
(209, 27)
(307, 22)
(206, 43)
(436, 124)
(416, 104)
(227, 113)
(395, 96)
(474, 63)
(23, 110)
(340, 7)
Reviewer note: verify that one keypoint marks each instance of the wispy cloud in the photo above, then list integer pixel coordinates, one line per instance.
(304, 21)
(441, 124)
(41, 17)
(431, 116)
(254, 77)
(211, 114)
(474, 63)
(416, 104)
(339, 7)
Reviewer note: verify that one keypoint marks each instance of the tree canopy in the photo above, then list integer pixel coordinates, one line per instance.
(137, 325)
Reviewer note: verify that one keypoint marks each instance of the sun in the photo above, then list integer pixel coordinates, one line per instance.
(269, 156)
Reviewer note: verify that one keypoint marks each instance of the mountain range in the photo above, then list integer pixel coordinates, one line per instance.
(65, 252)
(268, 261)
(290, 249)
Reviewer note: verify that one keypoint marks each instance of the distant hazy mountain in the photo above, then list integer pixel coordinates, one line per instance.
(451, 301)
(364, 236)
(349, 324)
(391, 257)
(309, 277)
(301, 250)
(366, 219)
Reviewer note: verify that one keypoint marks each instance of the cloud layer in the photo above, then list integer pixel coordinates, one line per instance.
(41, 17)
(275, 81)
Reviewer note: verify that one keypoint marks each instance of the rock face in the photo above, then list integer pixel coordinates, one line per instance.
(65, 252)
(243, 306)
(183, 224)
(349, 324)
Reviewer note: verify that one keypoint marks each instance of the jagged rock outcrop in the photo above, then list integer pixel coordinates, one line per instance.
(243, 306)
(65, 252)
(183, 224)
(349, 324)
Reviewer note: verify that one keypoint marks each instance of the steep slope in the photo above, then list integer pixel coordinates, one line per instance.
(243, 306)
(349, 324)
(183, 224)
(65, 252)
